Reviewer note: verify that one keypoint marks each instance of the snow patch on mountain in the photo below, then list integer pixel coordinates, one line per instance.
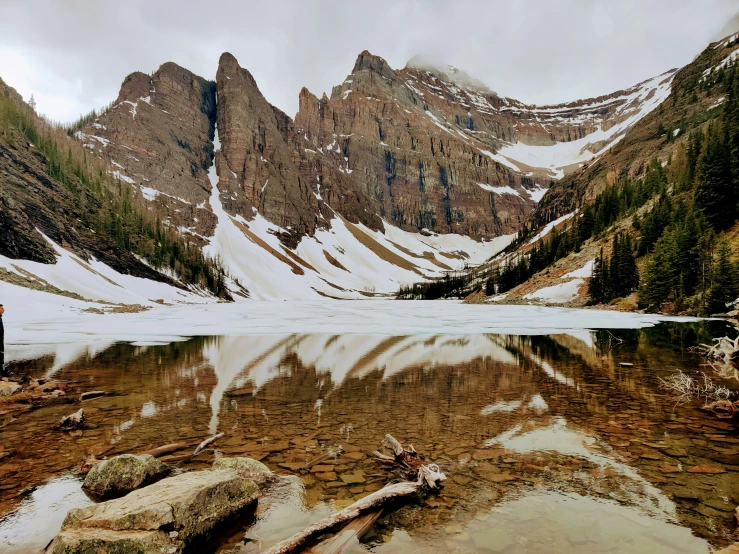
(347, 260)
(556, 157)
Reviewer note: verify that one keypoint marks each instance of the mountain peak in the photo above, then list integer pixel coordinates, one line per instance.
(367, 61)
(448, 73)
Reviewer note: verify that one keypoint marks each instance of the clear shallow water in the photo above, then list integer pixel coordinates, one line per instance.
(549, 444)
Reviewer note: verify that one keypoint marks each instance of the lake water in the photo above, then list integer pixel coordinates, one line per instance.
(549, 445)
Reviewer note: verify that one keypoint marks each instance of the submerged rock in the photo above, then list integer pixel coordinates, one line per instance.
(9, 387)
(122, 474)
(165, 517)
(73, 421)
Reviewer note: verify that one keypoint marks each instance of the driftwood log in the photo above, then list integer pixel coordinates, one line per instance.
(368, 503)
(163, 450)
(724, 349)
(89, 395)
(407, 462)
(348, 536)
(206, 442)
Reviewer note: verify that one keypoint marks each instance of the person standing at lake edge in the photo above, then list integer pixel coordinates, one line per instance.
(2, 342)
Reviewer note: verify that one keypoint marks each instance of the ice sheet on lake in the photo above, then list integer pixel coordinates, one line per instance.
(369, 317)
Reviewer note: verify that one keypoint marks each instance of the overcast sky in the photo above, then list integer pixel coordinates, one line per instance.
(73, 54)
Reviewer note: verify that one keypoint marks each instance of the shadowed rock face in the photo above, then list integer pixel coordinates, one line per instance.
(391, 144)
(258, 169)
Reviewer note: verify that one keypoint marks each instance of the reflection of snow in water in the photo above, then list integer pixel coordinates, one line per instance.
(257, 359)
(557, 437)
(576, 524)
(65, 354)
(536, 404)
(553, 373)
(40, 515)
(283, 512)
(148, 409)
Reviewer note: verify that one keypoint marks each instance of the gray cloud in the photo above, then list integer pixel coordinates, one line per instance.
(73, 54)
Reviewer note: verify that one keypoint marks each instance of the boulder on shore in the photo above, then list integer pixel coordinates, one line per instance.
(122, 474)
(166, 517)
(246, 467)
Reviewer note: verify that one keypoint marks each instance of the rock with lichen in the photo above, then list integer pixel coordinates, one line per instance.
(122, 474)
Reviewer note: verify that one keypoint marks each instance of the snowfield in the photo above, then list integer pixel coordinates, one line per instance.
(347, 261)
(560, 293)
(556, 157)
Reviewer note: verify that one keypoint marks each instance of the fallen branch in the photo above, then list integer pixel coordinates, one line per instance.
(73, 421)
(686, 388)
(163, 450)
(206, 442)
(370, 502)
(408, 462)
(725, 349)
(92, 394)
(347, 537)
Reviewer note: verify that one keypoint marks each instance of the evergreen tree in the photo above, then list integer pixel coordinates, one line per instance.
(714, 194)
(596, 286)
(731, 125)
(724, 287)
(492, 282)
(661, 279)
(628, 273)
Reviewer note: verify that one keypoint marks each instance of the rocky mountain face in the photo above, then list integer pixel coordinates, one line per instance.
(157, 137)
(398, 175)
(417, 148)
(698, 93)
(647, 138)
(36, 208)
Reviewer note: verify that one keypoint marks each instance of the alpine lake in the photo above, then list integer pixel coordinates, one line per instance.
(553, 443)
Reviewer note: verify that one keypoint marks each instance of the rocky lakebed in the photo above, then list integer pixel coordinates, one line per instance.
(561, 442)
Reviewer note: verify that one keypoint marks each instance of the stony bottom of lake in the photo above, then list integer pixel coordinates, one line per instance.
(549, 445)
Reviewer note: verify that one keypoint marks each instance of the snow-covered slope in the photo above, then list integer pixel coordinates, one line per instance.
(72, 281)
(346, 260)
(628, 108)
(539, 141)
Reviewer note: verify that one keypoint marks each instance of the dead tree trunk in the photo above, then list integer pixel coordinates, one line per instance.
(370, 502)
(408, 462)
(348, 536)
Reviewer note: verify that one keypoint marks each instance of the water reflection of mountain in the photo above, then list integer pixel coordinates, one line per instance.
(577, 360)
(545, 399)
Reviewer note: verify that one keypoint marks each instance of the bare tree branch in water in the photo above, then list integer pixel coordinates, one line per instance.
(687, 388)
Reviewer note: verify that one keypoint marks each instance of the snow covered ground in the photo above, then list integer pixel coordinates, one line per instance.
(91, 280)
(566, 291)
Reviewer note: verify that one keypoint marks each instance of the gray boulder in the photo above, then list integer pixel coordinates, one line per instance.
(165, 517)
(122, 474)
(246, 467)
